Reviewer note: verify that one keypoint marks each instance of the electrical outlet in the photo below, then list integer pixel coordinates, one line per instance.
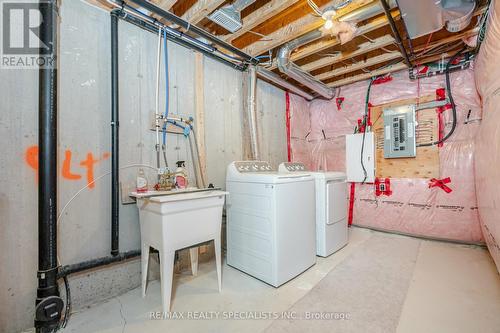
(126, 188)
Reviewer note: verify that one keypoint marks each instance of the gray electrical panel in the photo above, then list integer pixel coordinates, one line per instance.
(399, 132)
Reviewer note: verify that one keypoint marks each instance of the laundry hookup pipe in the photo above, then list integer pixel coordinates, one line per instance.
(252, 112)
(157, 103)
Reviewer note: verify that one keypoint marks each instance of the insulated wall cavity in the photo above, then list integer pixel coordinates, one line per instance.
(487, 157)
(318, 139)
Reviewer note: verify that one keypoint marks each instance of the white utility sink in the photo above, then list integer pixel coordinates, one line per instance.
(176, 221)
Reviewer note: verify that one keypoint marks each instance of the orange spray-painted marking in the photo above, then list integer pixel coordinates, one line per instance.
(31, 157)
(66, 168)
(89, 164)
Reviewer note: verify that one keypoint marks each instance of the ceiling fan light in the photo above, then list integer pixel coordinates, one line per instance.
(328, 24)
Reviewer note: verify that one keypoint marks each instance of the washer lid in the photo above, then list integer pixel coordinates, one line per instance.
(269, 178)
(330, 175)
(296, 167)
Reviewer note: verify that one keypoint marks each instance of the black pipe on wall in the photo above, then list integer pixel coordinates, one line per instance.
(48, 303)
(115, 125)
(93, 263)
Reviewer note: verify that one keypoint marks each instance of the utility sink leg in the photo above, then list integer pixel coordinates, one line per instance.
(193, 254)
(218, 260)
(144, 268)
(167, 259)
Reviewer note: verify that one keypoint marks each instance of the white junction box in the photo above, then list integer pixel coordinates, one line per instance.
(354, 168)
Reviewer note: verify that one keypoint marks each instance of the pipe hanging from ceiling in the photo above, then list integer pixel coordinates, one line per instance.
(137, 17)
(395, 32)
(187, 26)
(276, 79)
(252, 111)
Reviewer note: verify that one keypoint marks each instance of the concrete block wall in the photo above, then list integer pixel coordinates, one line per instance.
(84, 147)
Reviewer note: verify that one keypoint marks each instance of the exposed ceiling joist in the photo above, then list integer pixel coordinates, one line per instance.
(389, 69)
(362, 49)
(296, 29)
(260, 16)
(321, 45)
(452, 38)
(360, 77)
(441, 56)
(371, 25)
(165, 4)
(360, 65)
(200, 10)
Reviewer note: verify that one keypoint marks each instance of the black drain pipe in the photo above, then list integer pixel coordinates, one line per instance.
(116, 256)
(48, 303)
(115, 168)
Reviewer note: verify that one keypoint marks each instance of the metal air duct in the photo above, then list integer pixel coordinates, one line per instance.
(425, 16)
(287, 67)
(229, 17)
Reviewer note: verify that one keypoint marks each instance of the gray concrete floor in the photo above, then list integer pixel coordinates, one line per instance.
(452, 288)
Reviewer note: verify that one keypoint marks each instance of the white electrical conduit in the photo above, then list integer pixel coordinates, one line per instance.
(157, 110)
(252, 111)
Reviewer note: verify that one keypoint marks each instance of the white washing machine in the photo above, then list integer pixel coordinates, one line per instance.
(331, 207)
(270, 225)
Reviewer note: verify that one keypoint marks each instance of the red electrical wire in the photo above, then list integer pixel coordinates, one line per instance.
(288, 131)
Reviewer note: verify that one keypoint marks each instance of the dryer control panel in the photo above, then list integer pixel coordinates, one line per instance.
(253, 166)
(292, 167)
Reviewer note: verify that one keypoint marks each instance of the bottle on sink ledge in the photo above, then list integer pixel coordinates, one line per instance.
(181, 179)
(141, 181)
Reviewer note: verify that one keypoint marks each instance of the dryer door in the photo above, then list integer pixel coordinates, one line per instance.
(336, 202)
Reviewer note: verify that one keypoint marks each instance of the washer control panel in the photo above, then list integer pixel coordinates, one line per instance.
(253, 166)
(292, 167)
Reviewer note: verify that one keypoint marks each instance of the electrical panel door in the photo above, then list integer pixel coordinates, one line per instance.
(399, 132)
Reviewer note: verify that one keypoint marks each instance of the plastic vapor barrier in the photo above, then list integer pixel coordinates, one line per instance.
(318, 130)
(488, 139)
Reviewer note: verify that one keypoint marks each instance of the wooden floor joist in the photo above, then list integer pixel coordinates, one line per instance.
(451, 39)
(321, 45)
(296, 29)
(363, 48)
(200, 10)
(360, 65)
(361, 77)
(260, 16)
(164, 4)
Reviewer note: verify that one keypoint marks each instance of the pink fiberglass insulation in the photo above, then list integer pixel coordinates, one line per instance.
(488, 139)
(318, 130)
